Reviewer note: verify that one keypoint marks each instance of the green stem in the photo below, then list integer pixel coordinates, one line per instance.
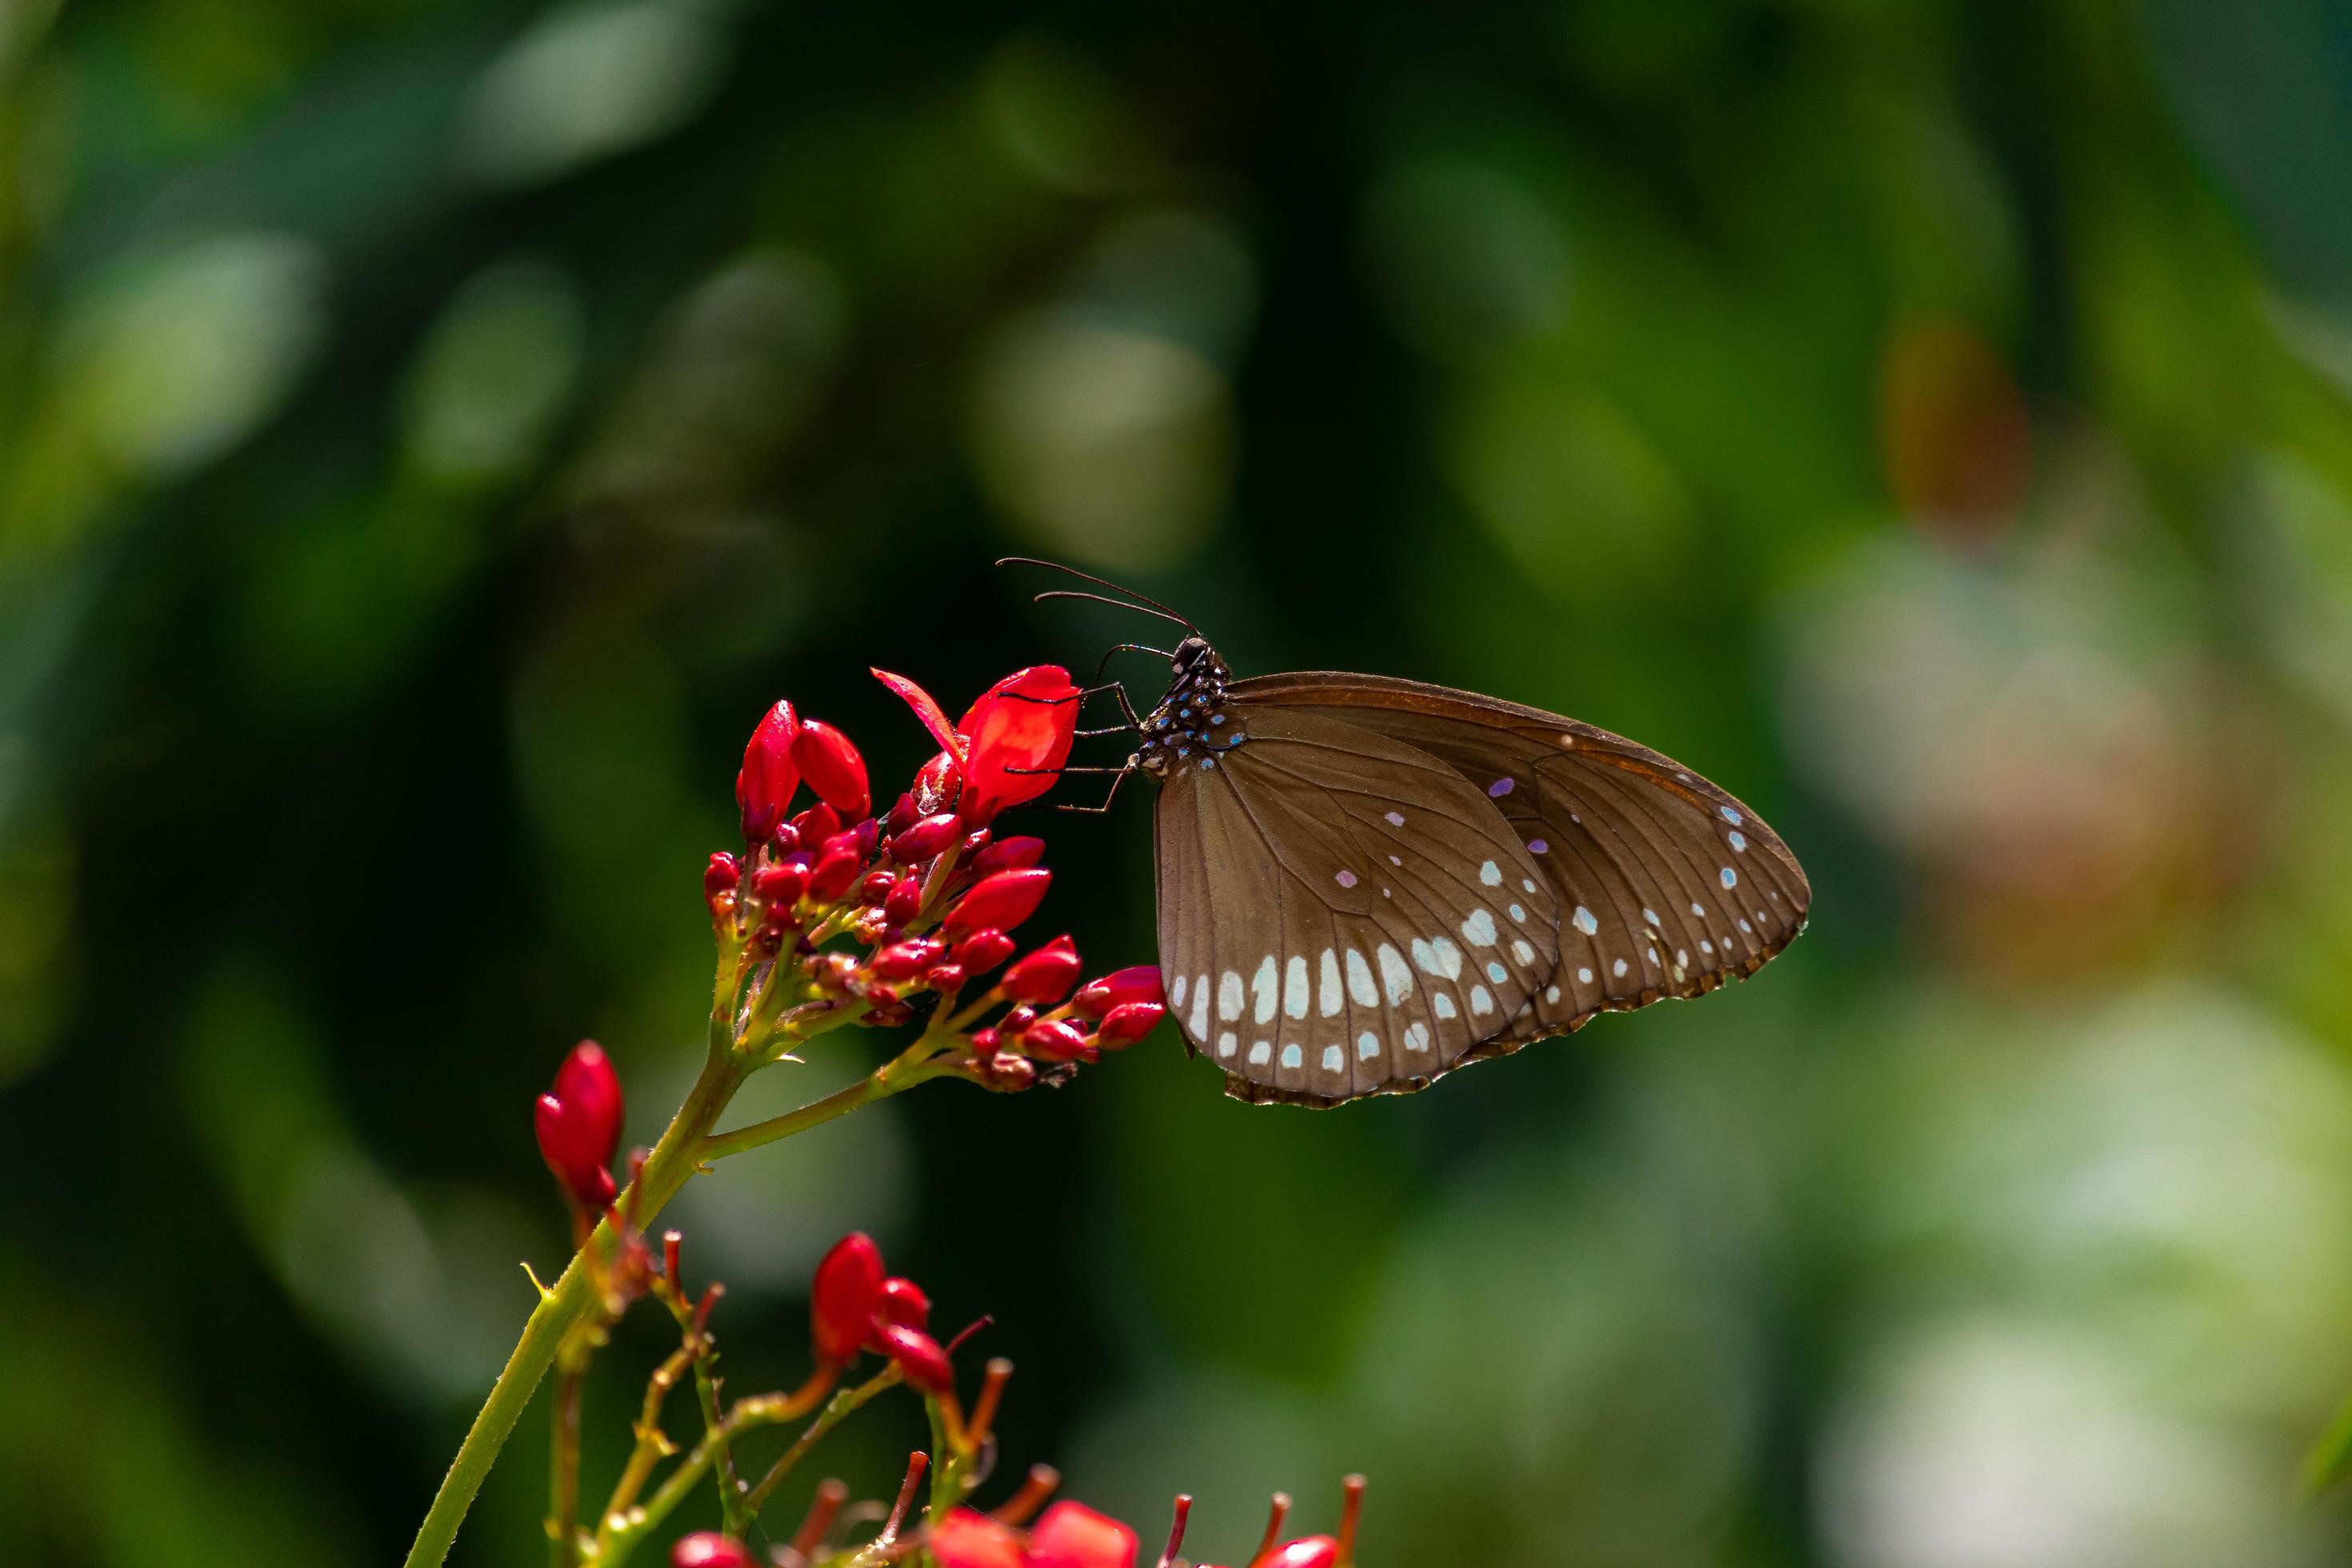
(839, 1409)
(618, 1539)
(895, 1078)
(674, 1159)
(732, 1510)
(563, 1472)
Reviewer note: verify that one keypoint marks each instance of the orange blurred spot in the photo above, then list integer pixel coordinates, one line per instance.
(1953, 429)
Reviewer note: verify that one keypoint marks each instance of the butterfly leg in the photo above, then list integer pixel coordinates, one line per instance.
(1119, 778)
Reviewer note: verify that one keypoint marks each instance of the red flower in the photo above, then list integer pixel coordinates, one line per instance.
(1045, 976)
(1000, 902)
(1097, 997)
(708, 1548)
(842, 1300)
(770, 774)
(1016, 737)
(1306, 1552)
(1129, 1022)
(1073, 1535)
(921, 1360)
(969, 1539)
(580, 1125)
(833, 767)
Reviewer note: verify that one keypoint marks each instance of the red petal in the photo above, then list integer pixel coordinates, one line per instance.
(934, 717)
(1072, 1535)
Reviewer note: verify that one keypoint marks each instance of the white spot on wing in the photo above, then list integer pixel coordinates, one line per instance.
(1584, 922)
(1225, 1044)
(1731, 816)
(1478, 931)
(1294, 986)
(1396, 980)
(1584, 977)
(1368, 1045)
(1523, 952)
(1328, 1002)
(1417, 1038)
(1480, 1001)
(1730, 878)
(1739, 841)
(1200, 1019)
(1334, 1059)
(1618, 969)
(1183, 982)
(1261, 1053)
(1491, 874)
(1442, 1004)
(1292, 1056)
(1497, 974)
(1396, 818)
(1264, 988)
(1360, 989)
(1229, 996)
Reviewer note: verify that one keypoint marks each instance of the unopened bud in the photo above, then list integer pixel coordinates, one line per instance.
(983, 951)
(921, 840)
(781, 887)
(921, 1360)
(708, 1548)
(770, 775)
(906, 901)
(834, 873)
(832, 767)
(1307, 1552)
(817, 823)
(1045, 976)
(1009, 855)
(1127, 1023)
(1097, 997)
(1057, 1041)
(945, 978)
(1000, 902)
(904, 960)
(843, 1297)
(904, 1303)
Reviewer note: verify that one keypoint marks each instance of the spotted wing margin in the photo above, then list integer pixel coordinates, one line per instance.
(1341, 913)
(1668, 885)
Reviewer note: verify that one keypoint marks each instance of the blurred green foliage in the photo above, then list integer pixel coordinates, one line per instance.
(429, 433)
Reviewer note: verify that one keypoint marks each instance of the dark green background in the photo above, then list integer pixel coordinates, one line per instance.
(431, 432)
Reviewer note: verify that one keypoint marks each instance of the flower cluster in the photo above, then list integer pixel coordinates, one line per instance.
(879, 915)
(835, 914)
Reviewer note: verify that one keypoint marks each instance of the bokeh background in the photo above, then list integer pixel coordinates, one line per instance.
(431, 431)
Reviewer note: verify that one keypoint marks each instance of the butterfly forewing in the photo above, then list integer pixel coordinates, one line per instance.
(1668, 884)
(1341, 913)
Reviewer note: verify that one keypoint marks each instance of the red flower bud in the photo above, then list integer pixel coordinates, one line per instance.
(841, 1299)
(1018, 1019)
(1097, 997)
(924, 840)
(904, 1303)
(1072, 1535)
(983, 951)
(1127, 1023)
(1306, 1552)
(770, 774)
(781, 886)
(876, 888)
(1000, 902)
(579, 1125)
(1058, 1041)
(817, 823)
(902, 814)
(905, 960)
(833, 767)
(1045, 976)
(834, 871)
(1009, 855)
(720, 877)
(938, 782)
(708, 1548)
(984, 1041)
(1017, 738)
(969, 1539)
(945, 978)
(921, 1360)
(905, 901)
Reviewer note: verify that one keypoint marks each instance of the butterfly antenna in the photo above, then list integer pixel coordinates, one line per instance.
(1117, 604)
(1136, 599)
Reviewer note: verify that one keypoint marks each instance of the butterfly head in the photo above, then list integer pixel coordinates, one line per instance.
(1189, 727)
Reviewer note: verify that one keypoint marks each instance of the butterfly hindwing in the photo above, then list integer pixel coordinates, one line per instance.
(1341, 913)
(1668, 884)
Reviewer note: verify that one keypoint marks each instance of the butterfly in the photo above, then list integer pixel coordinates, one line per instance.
(1366, 882)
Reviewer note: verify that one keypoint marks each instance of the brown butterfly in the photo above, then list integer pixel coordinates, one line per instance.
(1365, 882)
